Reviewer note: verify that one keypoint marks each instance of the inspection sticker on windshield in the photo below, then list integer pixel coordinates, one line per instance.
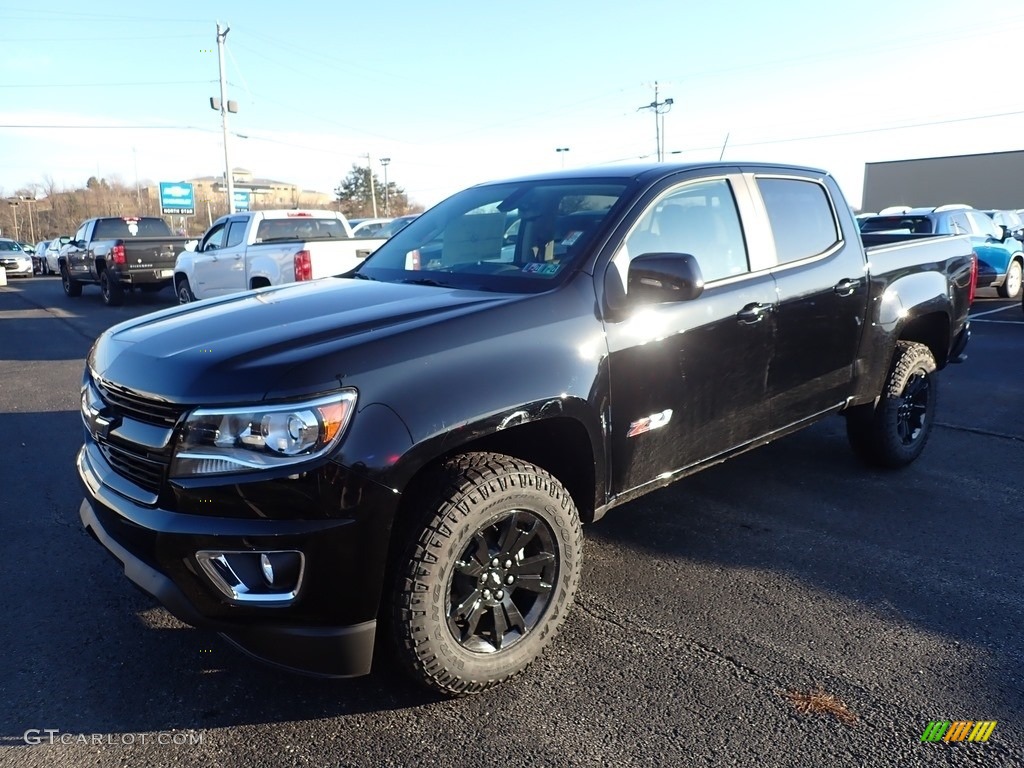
(542, 268)
(571, 237)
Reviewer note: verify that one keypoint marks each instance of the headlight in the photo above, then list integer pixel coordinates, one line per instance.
(222, 440)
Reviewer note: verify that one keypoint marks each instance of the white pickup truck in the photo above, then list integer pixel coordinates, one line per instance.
(254, 249)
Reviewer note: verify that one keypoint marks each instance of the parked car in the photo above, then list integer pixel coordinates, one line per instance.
(1012, 220)
(15, 260)
(39, 257)
(397, 224)
(410, 453)
(52, 256)
(1000, 256)
(367, 227)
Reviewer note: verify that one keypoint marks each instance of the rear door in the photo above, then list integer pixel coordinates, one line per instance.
(822, 295)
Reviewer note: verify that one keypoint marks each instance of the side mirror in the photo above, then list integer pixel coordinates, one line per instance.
(660, 277)
(1004, 233)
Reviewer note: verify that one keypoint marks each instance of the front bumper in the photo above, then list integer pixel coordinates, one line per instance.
(22, 269)
(328, 629)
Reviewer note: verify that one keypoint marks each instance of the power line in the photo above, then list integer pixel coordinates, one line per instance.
(106, 85)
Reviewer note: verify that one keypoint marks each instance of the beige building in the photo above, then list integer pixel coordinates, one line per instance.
(265, 193)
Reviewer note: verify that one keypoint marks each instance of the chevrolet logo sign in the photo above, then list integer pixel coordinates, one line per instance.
(98, 424)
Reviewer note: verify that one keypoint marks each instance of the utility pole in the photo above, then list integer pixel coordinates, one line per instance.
(14, 211)
(373, 192)
(384, 161)
(225, 106)
(561, 153)
(659, 108)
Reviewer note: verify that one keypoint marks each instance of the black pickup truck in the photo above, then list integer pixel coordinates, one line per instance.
(408, 451)
(119, 253)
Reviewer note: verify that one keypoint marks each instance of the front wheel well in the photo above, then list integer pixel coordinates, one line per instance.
(559, 445)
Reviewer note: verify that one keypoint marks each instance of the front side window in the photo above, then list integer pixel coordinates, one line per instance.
(801, 216)
(214, 238)
(700, 219)
(512, 236)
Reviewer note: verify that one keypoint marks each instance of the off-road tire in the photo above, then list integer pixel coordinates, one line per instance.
(492, 532)
(184, 291)
(72, 288)
(111, 290)
(892, 432)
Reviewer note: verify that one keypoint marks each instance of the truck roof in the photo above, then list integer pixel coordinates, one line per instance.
(651, 170)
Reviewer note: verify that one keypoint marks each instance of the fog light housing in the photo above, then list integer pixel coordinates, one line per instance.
(272, 577)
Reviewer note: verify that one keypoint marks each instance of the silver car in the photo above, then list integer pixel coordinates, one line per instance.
(15, 261)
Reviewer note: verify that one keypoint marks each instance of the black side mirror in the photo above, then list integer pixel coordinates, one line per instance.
(660, 277)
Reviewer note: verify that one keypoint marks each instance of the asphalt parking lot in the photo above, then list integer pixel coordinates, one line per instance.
(789, 570)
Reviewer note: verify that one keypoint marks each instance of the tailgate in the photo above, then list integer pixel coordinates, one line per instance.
(336, 257)
(152, 256)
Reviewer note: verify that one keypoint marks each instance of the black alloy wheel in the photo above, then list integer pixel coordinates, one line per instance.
(502, 582)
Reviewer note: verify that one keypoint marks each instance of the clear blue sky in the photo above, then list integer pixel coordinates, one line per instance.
(461, 92)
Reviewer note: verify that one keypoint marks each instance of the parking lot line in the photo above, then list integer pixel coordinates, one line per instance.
(993, 311)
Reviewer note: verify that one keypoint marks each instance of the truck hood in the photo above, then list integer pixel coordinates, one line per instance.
(240, 348)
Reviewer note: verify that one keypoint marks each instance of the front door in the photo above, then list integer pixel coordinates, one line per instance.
(687, 379)
(214, 265)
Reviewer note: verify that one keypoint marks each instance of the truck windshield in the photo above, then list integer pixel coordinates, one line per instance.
(521, 237)
(116, 229)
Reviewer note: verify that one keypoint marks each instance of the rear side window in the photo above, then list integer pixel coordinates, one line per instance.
(801, 217)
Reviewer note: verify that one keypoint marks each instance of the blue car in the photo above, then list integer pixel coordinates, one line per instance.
(1000, 255)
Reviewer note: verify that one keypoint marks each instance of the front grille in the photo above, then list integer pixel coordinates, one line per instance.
(143, 471)
(139, 407)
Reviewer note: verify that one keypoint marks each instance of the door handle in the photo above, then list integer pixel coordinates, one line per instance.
(753, 313)
(846, 287)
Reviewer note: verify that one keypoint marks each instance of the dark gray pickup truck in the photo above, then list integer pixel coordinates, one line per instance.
(118, 254)
(407, 452)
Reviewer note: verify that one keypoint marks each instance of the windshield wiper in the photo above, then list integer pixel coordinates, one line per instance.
(361, 276)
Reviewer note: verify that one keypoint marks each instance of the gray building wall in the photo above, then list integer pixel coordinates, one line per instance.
(993, 180)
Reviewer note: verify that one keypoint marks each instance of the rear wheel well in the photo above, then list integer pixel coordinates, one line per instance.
(259, 282)
(932, 330)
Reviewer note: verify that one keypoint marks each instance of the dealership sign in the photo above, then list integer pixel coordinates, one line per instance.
(177, 197)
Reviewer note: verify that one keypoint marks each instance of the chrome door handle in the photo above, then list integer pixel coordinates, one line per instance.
(846, 287)
(753, 313)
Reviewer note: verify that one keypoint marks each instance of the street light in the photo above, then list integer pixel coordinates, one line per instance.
(384, 161)
(14, 210)
(224, 106)
(561, 151)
